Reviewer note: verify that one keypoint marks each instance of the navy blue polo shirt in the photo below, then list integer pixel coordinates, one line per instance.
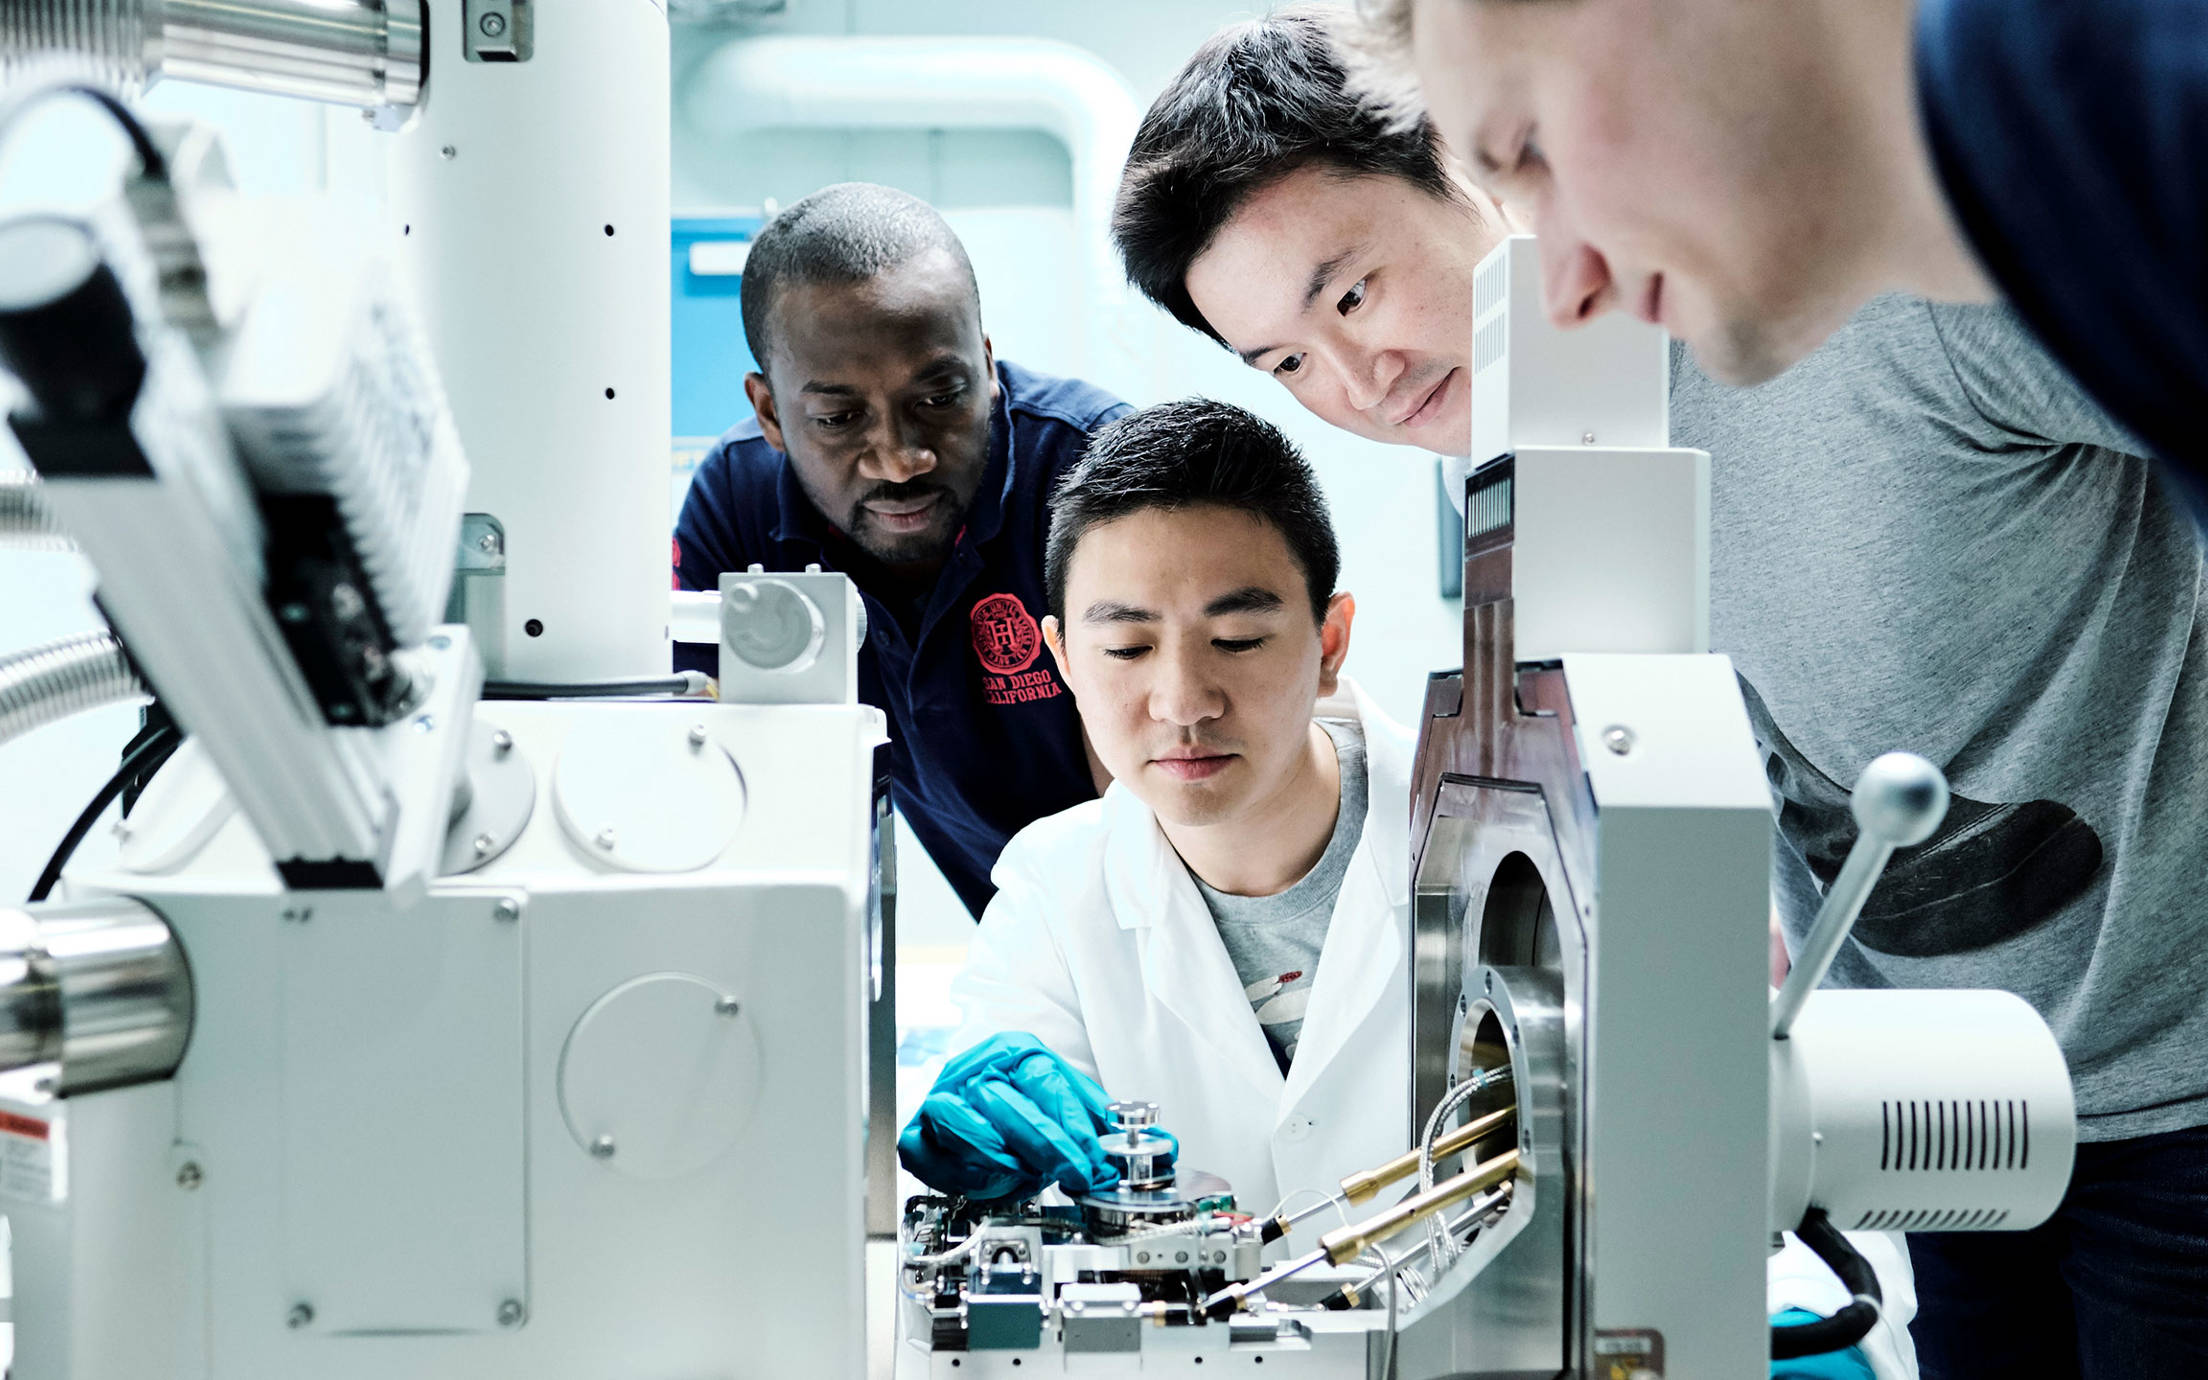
(984, 736)
(2071, 137)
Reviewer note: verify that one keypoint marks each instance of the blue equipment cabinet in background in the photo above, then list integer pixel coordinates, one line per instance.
(709, 356)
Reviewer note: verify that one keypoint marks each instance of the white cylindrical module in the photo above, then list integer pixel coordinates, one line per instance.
(529, 206)
(1920, 1111)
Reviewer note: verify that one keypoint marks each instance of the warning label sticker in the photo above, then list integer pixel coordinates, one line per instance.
(27, 1159)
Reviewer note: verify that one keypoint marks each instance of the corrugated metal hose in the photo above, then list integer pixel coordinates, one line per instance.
(48, 684)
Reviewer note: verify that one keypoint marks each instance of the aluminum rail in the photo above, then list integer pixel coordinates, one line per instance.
(48, 684)
(369, 54)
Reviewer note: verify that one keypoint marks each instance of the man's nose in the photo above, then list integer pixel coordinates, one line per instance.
(1182, 695)
(1576, 285)
(1367, 377)
(900, 453)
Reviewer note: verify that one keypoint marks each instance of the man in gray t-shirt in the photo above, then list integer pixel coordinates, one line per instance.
(1955, 553)
(1275, 941)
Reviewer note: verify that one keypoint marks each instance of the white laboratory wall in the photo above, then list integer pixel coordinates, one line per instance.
(1009, 195)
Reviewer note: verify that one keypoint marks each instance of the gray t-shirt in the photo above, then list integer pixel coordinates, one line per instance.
(1925, 537)
(1275, 941)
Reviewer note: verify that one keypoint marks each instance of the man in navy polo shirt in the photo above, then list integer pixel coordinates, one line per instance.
(889, 442)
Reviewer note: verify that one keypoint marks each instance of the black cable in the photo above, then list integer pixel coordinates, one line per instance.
(141, 138)
(1852, 1323)
(150, 752)
(583, 690)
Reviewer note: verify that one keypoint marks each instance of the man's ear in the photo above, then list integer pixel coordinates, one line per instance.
(1341, 611)
(1054, 637)
(762, 403)
(989, 362)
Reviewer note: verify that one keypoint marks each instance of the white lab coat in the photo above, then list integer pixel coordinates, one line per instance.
(1099, 945)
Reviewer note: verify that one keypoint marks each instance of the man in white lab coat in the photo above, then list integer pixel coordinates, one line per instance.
(1226, 931)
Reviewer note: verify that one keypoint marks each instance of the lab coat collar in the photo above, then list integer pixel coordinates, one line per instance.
(1186, 966)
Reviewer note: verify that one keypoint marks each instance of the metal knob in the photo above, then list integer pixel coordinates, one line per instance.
(1898, 801)
(773, 626)
(1126, 1116)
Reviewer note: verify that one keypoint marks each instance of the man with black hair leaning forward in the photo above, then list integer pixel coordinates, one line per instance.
(1226, 932)
(1925, 537)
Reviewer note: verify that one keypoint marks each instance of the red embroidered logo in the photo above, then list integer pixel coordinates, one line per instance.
(1005, 636)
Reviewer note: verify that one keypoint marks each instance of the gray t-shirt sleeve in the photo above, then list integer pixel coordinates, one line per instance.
(2019, 391)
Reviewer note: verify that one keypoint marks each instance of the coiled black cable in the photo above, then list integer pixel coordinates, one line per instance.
(1852, 1323)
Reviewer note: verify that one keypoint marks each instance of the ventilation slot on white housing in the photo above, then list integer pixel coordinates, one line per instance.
(1922, 1135)
(1932, 1219)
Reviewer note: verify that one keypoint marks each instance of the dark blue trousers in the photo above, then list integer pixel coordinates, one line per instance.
(2113, 1287)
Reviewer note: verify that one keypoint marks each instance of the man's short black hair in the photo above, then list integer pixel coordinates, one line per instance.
(1258, 101)
(1189, 454)
(847, 233)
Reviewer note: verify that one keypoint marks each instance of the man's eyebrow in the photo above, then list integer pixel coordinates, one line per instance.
(941, 365)
(833, 390)
(1324, 274)
(1111, 611)
(1248, 599)
(1321, 275)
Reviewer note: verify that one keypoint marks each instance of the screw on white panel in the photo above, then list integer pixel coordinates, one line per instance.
(755, 569)
(728, 1006)
(424, 723)
(812, 568)
(1586, 438)
(300, 1315)
(512, 1313)
(487, 543)
(448, 153)
(604, 839)
(697, 735)
(483, 845)
(602, 1148)
(508, 909)
(493, 26)
(298, 915)
(502, 742)
(45, 1087)
(1618, 738)
(189, 1176)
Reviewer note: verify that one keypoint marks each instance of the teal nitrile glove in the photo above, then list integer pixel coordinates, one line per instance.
(1850, 1364)
(1005, 1118)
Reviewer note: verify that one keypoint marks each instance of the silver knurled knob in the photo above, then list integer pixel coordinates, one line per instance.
(1128, 1116)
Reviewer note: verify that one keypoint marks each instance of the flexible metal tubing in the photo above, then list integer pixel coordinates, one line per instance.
(48, 684)
(25, 521)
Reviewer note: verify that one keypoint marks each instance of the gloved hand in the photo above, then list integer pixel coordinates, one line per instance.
(1005, 1118)
(1850, 1364)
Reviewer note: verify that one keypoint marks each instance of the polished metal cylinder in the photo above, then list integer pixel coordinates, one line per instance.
(99, 988)
(370, 54)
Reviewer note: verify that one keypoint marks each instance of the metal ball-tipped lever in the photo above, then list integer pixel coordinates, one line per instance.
(1898, 801)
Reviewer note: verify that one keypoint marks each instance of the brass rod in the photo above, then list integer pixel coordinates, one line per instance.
(1361, 1186)
(1345, 1244)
